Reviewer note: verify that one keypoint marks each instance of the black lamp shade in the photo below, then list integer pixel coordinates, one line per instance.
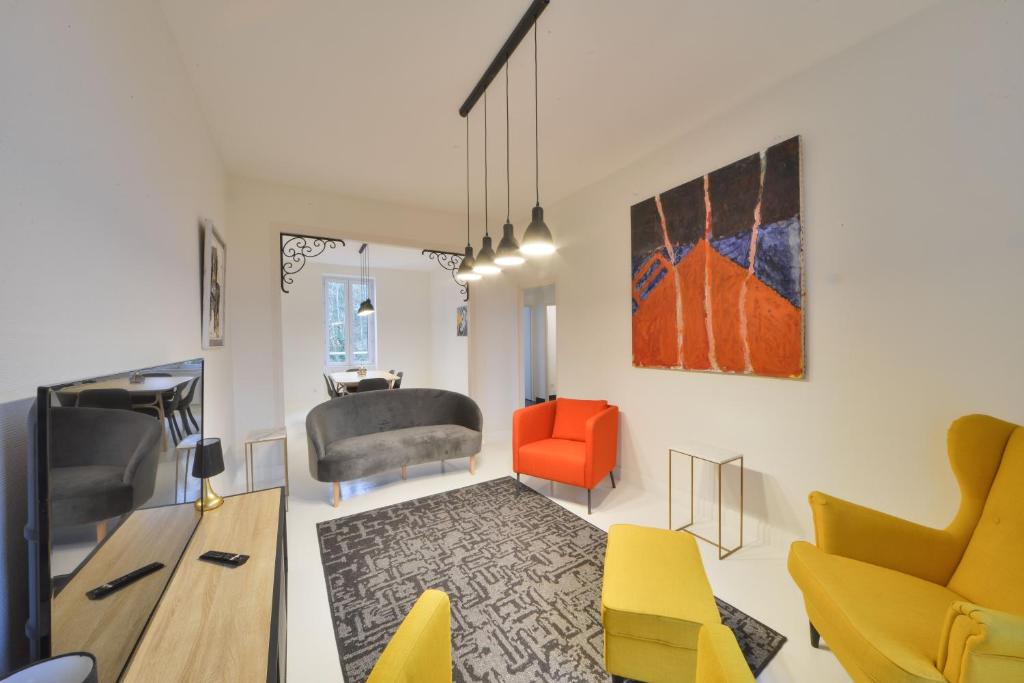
(209, 459)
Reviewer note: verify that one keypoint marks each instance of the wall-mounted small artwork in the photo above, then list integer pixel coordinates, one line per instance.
(213, 266)
(462, 321)
(717, 270)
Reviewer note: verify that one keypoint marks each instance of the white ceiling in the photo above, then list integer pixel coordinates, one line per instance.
(361, 97)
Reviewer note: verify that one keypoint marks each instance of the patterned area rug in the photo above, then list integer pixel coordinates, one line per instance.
(523, 574)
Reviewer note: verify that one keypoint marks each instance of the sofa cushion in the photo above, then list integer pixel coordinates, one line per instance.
(884, 623)
(655, 588)
(991, 570)
(89, 493)
(555, 459)
(361, 456)
(571, 417)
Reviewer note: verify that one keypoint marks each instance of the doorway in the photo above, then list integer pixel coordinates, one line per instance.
(539, 328)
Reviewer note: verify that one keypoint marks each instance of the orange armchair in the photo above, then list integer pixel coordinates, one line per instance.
(566, 440)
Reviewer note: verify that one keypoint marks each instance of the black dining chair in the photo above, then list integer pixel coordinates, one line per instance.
(170, 399)
(398, 382)
(111, 399)
(372, 384)
(185, 407)
(332, 388)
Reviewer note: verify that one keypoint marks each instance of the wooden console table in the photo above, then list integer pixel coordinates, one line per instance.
(217, 623)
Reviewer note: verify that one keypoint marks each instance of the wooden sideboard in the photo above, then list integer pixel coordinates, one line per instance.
(216, 623)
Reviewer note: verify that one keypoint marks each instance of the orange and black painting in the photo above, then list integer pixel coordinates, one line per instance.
(717, 281)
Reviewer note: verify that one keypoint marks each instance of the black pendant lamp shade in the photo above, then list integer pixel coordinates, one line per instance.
(465, 271)
(365, 308)
(537, 240)
(485, 264)
(508, 249)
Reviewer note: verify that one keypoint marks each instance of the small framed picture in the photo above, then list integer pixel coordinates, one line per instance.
(213, 265)
(462, 321)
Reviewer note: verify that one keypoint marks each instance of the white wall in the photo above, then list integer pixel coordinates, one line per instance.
(449, 353)
(105, 168)
(912, 167)
(259, 211)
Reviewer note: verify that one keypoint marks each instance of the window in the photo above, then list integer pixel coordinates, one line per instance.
(350, 340)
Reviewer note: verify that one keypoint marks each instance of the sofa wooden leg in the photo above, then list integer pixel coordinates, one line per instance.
(405, 472)
(337, 494)
(472, 464)
(101, 531)
(442, 467)
(611, 475)
(815, 636)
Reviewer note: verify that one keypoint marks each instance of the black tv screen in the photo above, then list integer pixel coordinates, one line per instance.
(110, 492)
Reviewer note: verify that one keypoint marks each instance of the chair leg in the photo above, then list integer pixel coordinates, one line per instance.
(517, 478)
(101, 531)
(618, 679)
(611, 475)
(472, 464)
(188, 409)
(815, 636)
(588, 501)
(184, 422)
(405, 472)
(337, 494)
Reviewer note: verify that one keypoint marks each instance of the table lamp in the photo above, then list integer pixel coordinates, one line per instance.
(209, 462)
(73, 667)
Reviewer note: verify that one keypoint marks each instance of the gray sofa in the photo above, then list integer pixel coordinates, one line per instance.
(103, 463)
(361, 434)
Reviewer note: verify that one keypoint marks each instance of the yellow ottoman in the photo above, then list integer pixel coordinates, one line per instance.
(654, 600)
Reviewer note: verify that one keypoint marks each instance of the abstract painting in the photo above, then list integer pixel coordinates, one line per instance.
(462, 321)
(213, 265)
(717, 270)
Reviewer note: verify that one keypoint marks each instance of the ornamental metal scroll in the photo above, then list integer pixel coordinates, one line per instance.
(297, 249)
(450, 261)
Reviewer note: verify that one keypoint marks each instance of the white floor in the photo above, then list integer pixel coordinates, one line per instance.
(754, 579)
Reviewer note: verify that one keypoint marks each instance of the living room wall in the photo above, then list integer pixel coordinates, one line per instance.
(912, 149)
(106, 166)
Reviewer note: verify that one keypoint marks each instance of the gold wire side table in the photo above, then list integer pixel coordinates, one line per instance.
(249, 445)
(719, 458)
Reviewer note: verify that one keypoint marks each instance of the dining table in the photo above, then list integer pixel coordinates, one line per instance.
(350, 378)
(155, 387)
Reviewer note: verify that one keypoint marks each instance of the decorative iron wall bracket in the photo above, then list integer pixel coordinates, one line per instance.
(450, 261)
(297, 249)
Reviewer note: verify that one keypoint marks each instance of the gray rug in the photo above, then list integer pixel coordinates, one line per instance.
(523, 574)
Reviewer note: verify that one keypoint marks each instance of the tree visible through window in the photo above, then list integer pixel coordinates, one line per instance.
(350, 339)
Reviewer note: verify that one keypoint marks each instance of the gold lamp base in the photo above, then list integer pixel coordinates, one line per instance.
(209, 500)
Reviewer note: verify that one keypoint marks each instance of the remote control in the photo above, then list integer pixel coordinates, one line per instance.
(227, 559)
(122, 581)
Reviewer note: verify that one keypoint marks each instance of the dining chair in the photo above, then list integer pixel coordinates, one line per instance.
(398, 382)
(372, 384)
(170, 399)
(332, 388)
(112, 399)
(185, 407)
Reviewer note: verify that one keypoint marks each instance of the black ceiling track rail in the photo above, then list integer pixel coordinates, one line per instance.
(297, 249)
(504, 54)
(450, 261)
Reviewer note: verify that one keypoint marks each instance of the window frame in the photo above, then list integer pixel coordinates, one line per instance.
(371, 333)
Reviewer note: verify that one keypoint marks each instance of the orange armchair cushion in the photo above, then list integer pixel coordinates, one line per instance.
(559, 460)
(571, 417)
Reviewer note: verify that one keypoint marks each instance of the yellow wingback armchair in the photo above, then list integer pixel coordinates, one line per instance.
(421, 649)
(904, 603)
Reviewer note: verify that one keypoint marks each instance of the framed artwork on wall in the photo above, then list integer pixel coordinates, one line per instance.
(462, 321)
(213, 265)
(717, 270)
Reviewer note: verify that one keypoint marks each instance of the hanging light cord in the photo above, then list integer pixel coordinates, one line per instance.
(486, 184)
(536, 117)
(467, 180)
(508, 172)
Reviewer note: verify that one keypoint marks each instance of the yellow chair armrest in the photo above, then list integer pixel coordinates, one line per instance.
(980, 645)
(421, 649)
(719, 659)
(854, 531)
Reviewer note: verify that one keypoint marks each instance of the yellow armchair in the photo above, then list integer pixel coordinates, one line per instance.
(719, 658)
(421, 649)
(898, 601)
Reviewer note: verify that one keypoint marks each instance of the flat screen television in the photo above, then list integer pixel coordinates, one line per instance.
(110, 492)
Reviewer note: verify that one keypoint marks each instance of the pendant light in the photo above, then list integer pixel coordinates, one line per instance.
(537, 240)
(485, 264)
(508, 249)
(465, 271)
(365, 308)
